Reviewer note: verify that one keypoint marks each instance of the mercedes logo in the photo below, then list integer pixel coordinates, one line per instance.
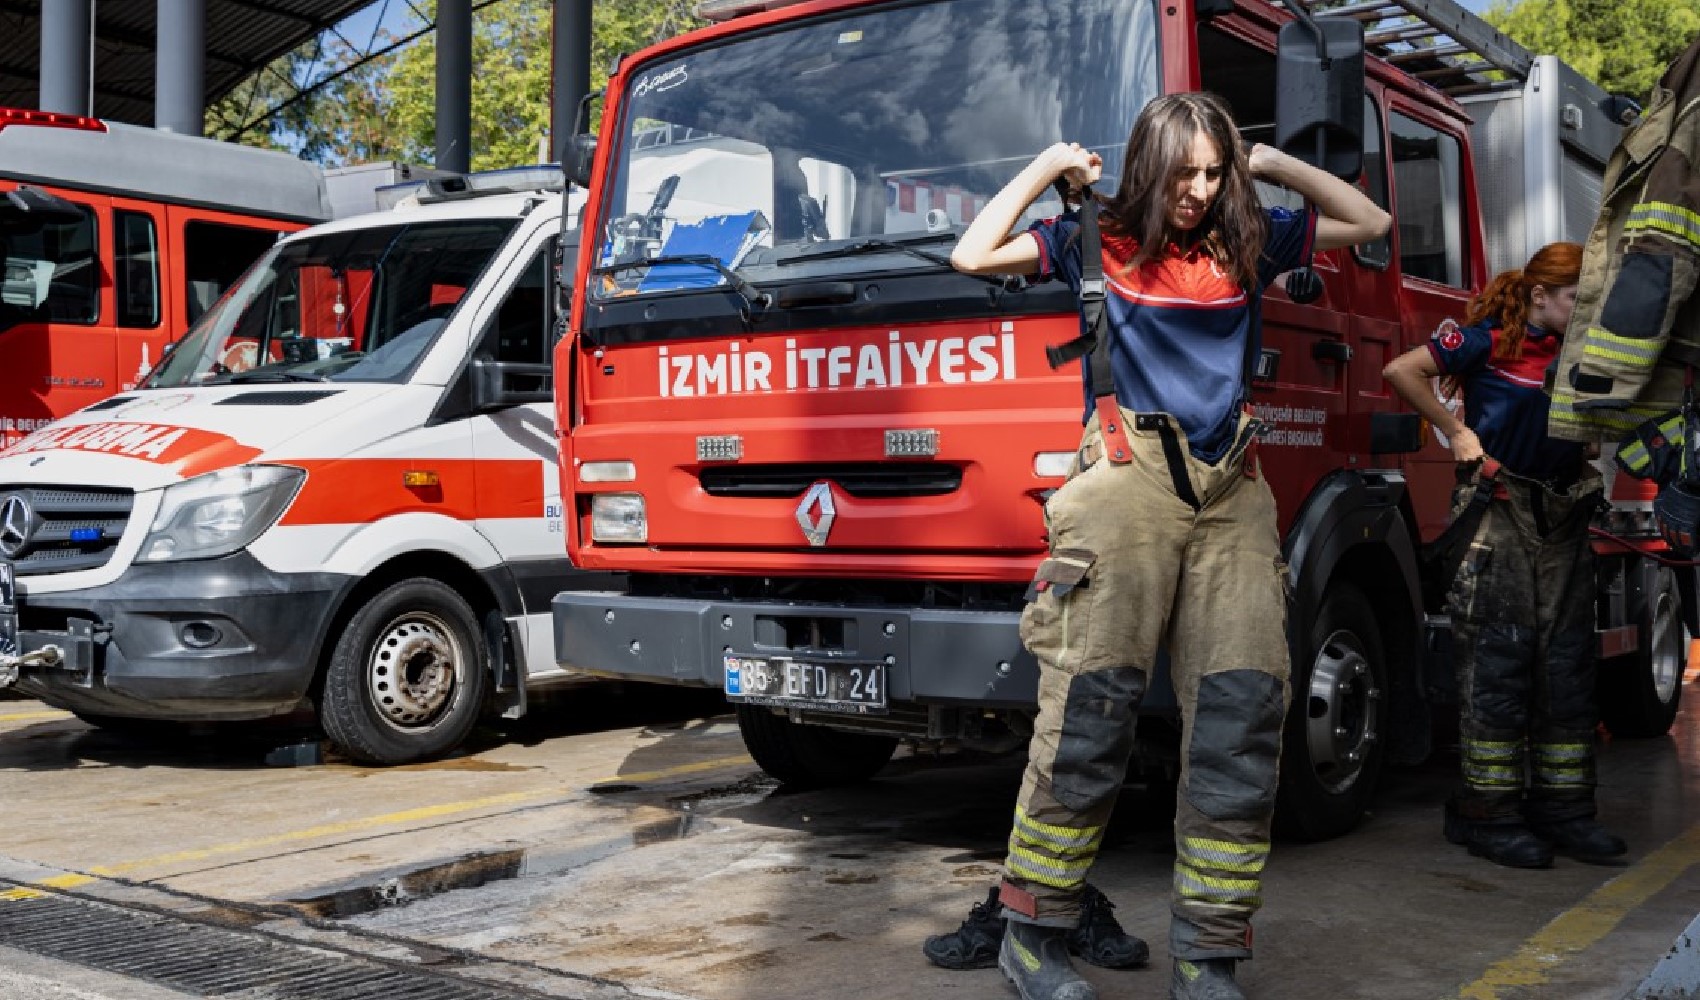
(815, 525)
(17, 524)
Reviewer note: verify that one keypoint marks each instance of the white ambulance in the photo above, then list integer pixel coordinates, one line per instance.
(338, 491)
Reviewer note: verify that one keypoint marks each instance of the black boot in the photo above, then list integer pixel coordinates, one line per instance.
(974, 945)
(1507, 842)
(1035, 961)
(1582, 838)
(1206, 979)
(1099, 939)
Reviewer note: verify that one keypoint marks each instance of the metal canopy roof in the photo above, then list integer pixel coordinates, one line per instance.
(241, 37)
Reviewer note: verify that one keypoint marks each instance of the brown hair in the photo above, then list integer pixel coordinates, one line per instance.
(1508, 296)
(1233, 229)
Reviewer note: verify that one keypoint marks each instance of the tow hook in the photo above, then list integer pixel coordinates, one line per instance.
(48, 656)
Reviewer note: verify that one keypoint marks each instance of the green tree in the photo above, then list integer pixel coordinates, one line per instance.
(386, 109)
(1624, 45)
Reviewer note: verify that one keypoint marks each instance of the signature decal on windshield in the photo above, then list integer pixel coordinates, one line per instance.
(903, 361)
(664, 80)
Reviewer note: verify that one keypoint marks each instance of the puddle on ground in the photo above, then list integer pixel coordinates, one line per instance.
(381, 890)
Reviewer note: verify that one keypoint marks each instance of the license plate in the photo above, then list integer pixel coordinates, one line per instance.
(856, 688)
(8, 612)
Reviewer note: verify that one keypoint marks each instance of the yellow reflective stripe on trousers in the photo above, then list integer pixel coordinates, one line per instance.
(1493, 750)
(1562, 751)
(1223, 855)
(1492, 777)
(1046, 871)
(1239, 892)
(1060, 838)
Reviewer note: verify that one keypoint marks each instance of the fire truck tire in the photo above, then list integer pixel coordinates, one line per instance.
(1639, 693)
(407, 677)
(811, 756)
(1336, 724)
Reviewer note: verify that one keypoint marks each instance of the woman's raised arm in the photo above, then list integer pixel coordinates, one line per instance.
(988, 247)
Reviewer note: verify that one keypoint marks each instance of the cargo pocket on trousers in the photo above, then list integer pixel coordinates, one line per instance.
(1056, 607)
(1097, 736)
(1464, 601)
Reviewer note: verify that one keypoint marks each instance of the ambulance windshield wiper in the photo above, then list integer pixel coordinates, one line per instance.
(261, 375)
(754, 300)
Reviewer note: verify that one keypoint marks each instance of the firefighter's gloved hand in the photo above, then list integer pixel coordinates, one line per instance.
(1654, 451)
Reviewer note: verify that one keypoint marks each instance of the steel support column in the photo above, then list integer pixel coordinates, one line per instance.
(65, 49)
(571, 77)
(454, 85)
(179, 103)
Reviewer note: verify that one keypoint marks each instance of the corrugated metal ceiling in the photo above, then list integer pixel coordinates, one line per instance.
(241, 37)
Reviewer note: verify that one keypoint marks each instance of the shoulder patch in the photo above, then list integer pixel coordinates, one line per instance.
(1448, 336)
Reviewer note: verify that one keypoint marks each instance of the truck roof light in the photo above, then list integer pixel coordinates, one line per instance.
(726, 10)
(457, 187)
(50, 119)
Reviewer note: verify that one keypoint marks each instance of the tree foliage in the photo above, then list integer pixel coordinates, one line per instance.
(1624, 45)
(386, 108)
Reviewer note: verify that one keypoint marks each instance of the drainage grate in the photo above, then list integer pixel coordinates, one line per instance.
(213, 961)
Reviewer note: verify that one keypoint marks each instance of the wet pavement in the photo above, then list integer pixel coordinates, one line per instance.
(618, 842)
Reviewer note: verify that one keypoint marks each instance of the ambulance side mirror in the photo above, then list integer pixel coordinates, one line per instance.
(498, 385)
(1319, 92)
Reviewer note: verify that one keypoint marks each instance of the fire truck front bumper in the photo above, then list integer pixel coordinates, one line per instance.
(820, 657)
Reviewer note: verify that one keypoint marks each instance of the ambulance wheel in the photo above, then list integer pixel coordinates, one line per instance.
(811, 756)
(407, 678)
(1332, 748)
(1640, 693)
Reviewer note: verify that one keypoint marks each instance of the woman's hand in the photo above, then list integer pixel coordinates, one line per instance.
(1261, 159)
(1079, 167)
(1465, 446)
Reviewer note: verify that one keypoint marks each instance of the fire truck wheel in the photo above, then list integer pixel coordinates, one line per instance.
(1332, 748)
(407, 678)
(1639, 693)
(811, 756)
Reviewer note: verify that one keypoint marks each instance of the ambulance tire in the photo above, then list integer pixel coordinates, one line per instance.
(1639, 693)
(811, 756)
(1332, 748)
(408, 676)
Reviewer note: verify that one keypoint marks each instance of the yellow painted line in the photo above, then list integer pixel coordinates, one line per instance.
(323, 830)
(1584, 924)
(33, 716)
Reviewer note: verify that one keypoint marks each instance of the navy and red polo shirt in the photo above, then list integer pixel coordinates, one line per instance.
(1178, 323)
(1503, 399)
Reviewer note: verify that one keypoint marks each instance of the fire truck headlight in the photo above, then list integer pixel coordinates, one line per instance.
(220, 512)
(607, 472)
(618, 518)
(1049, 464)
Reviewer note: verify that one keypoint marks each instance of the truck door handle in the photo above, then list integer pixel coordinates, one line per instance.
(1331, 350)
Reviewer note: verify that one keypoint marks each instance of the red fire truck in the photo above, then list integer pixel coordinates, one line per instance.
(820, 454)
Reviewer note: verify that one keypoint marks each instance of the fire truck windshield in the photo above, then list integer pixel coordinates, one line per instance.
(357, 305)
(858, 144)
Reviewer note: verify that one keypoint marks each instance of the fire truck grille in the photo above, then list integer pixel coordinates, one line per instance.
(49, 529)
(864, 480)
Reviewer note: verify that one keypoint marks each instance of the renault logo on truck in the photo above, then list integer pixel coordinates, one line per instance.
(17, 524)
(816, 513)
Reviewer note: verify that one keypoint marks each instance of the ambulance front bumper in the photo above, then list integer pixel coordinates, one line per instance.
(194, 641)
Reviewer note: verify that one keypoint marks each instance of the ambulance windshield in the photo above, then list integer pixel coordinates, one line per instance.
(858, 144)
(357, 305)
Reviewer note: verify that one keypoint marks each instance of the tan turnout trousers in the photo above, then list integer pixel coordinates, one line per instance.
(1133, 567)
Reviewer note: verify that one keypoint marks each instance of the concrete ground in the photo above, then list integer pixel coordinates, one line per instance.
(620, 843)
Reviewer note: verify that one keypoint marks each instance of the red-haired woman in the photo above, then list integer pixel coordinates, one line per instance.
(1522, 600)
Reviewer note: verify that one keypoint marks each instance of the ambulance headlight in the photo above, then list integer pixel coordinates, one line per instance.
(618, 518)
(220, 512)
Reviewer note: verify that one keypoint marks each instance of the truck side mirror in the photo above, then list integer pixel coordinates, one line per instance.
(27, 208)
(580, 156)
(1319, 93)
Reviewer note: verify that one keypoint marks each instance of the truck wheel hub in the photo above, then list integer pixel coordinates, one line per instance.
(411, 675)
(1340, 711)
